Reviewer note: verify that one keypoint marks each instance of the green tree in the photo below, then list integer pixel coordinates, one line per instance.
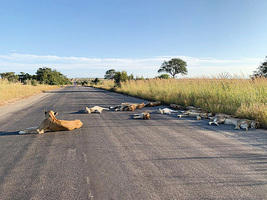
(262, 69)
(10, 76)
(110, 74)
(131, 77)
(52, 77)
(24, 76)
(96, 81)
(164, 76)
(139, 78)
(173, 67)
(120, 77)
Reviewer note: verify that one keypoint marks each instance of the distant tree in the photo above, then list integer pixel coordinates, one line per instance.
(84, 82)
(96, 81)
(173, 67)
(262, 69)
(120, 77)
(110, 74)
(131, 77)
(51, 77)
(10, 76)
(164, 76)
(24, 76)
(139, 78)
(43, 75)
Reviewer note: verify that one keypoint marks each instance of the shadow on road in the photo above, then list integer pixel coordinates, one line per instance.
(72, 91)
(78, 112)
(5, 133)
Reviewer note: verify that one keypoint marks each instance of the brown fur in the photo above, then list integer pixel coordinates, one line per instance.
(128, 106)
(144, 115)
(177, 107)
(195, 113)
(131, 107)
(141, 105)
(95, 109)
(218, 119)
(152, 104)
(246, 124)
(51, 123)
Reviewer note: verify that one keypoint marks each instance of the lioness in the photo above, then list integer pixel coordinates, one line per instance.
(127, 107)
(152, 104)
(166, 111)
(51, 123)
(246, 124)
(144, 115)
(218, 119)
(177, 107)
(95, 109)
(197, 114)
(242, 123)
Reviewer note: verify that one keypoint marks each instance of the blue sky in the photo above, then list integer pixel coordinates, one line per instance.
(84, 38)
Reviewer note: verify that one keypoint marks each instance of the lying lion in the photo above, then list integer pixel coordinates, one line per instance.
(177, 107)
(196, 114)
(152, 104)
(95, 109)
(166, 111)
(51, 123)
(127, 107)
(218, 119)
(242, 123)
(144, 115)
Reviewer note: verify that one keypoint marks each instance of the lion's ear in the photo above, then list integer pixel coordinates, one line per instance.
(45, 112)
(55, 113)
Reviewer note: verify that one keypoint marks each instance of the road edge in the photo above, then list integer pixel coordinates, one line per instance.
(9, 108)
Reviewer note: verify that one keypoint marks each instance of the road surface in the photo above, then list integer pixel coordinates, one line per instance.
(116, 157)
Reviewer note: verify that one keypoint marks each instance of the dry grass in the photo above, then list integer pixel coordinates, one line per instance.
(10, 92)
(244, 98)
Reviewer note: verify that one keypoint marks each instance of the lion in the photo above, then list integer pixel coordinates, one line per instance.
(218, 119)
(246, 124)
(51, 123)
(196, 114)
(152, 104)
(177, 107)
(141, 105)
(166, 111)
(95, 109)
(242, 123)
(127, 107)
(144, 115)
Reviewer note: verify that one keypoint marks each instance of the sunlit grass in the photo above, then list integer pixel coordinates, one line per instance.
(245, 98)
(10, 92)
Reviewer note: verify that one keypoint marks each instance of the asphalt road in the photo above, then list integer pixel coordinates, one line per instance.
(116, 157)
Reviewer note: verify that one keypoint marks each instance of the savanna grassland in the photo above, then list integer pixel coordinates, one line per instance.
(243, 98)
(10, 92)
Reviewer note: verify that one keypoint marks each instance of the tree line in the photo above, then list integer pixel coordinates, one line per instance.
(43, 75)
(171, 68)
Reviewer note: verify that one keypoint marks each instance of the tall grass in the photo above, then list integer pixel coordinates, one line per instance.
(244, 98)
(10, 92)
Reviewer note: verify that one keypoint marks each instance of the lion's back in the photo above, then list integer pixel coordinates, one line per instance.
(70, 125)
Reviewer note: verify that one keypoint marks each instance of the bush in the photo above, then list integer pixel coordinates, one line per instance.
(51, 77)
(96, 81)
(120, 77)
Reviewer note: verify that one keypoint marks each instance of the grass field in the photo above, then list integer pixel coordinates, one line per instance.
(10, 92)
(244, 98)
